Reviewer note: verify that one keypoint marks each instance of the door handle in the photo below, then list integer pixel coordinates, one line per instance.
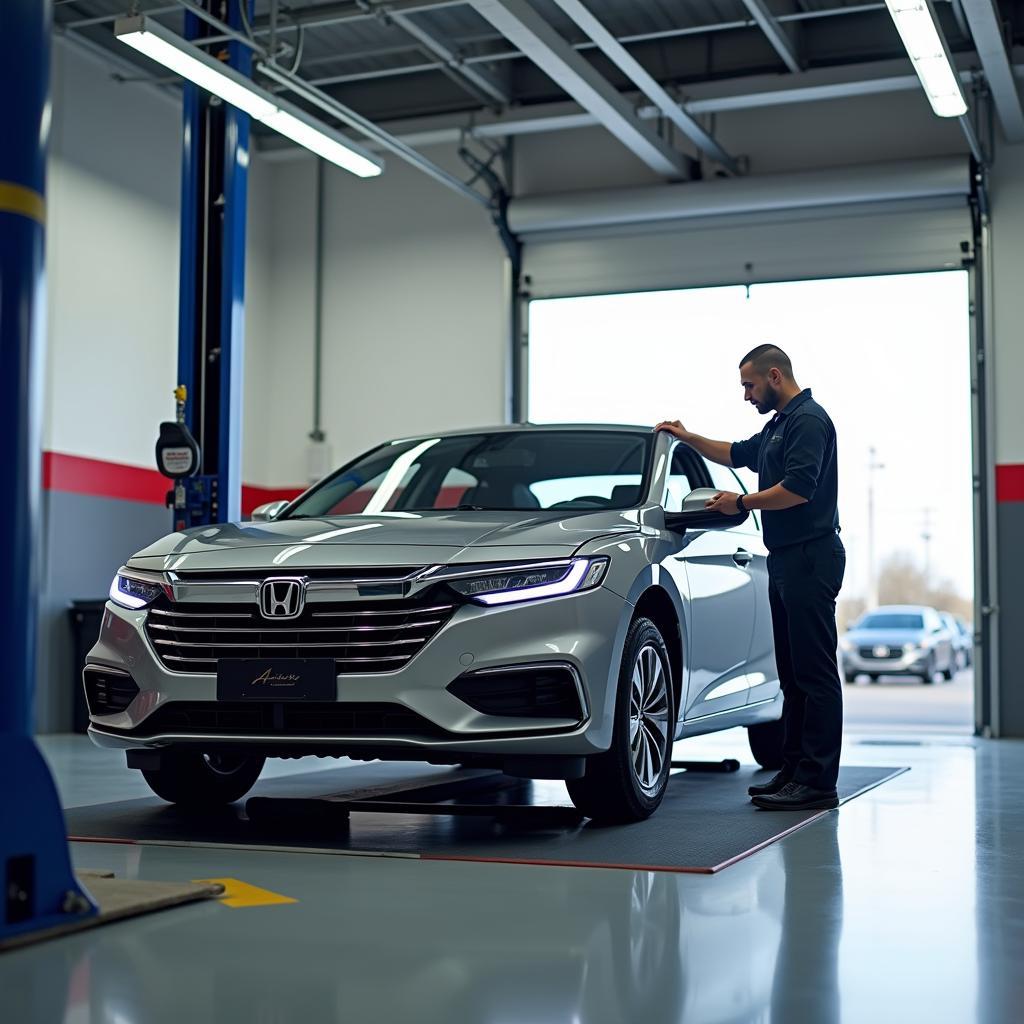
(742, 557)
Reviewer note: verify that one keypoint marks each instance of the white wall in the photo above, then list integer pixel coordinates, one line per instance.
(414, 327)
(1007, 188)
(112, 262)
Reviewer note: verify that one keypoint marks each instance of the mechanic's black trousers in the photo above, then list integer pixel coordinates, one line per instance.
(803, 581)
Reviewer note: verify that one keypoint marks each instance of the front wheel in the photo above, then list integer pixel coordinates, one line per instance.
(766, 743)
(195, 779)
(627, 782)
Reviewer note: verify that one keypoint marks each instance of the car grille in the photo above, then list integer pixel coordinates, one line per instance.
(361, 637)
(296, 718)
(869, 653)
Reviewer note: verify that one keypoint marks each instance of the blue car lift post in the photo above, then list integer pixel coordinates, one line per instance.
(40, 890)
(214, 179)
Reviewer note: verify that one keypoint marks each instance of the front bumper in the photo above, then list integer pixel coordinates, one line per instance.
(584, 631)
(911, 663)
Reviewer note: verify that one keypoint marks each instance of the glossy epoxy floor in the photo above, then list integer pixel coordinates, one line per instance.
(906, 905)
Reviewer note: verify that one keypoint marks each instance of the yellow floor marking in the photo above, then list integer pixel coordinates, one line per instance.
(241, 894)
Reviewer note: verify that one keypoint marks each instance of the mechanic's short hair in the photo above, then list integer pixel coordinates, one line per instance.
(765, 357)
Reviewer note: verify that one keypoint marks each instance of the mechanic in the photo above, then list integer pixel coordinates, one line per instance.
(795, 459)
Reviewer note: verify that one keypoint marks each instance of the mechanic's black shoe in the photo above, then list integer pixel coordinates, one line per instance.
(796, 797)
(772, 786)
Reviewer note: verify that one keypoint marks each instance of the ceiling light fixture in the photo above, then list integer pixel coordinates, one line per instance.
(919, 29)
(151, 38)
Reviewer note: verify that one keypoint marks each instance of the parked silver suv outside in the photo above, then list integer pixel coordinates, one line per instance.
(898, 640)
(553, 601)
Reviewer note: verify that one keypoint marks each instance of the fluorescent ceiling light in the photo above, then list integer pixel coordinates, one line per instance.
(152, 39)
(918, 28)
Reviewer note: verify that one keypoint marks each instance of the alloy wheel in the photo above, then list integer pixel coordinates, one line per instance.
(648, 718)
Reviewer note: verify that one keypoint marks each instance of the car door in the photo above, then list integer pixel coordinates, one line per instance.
(762, 675)
(715, 568)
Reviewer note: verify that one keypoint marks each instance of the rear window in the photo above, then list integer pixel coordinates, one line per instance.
(892, 620)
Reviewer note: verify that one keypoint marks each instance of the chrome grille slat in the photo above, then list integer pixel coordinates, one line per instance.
(192, 636)
(213, 661)
(284, 645)
(298, 629)
(420, 611)
(202, 615)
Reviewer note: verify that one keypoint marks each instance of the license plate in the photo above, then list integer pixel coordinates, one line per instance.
(276, 679)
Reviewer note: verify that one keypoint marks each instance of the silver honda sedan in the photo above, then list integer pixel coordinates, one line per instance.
(551, 601)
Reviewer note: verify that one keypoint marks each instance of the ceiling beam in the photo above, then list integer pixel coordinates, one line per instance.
(987, 30)
(638, 75)
(526, 29)
(482, 83)
(769, 25)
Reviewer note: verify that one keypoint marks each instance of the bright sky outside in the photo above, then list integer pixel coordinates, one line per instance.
(888, 358)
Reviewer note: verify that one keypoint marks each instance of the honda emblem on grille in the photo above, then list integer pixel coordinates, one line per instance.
(282, 598)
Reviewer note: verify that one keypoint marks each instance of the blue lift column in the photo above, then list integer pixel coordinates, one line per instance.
(214, 178)
(39, 889)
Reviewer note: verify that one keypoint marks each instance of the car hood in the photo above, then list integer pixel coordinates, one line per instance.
(389, 538)
(884, 637)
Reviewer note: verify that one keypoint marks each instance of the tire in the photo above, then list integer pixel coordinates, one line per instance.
(929, 673)
(766, 744)
(192, 778)
(873, 677)
(613, 791)
(850, 677)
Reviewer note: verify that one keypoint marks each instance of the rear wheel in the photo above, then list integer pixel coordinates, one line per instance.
(766, 743)
(627, 782)
(194, 779)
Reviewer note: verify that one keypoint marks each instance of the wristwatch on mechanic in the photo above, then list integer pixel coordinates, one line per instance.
(739, 503)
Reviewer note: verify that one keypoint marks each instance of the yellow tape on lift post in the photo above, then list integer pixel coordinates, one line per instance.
(19, 199)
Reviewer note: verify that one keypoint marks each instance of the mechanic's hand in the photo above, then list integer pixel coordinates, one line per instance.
(673, 427)
(724, 502)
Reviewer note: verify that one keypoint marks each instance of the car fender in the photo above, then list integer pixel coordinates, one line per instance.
(630, 582)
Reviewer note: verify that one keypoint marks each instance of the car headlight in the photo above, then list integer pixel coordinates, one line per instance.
(503, 584)
(846, 645)
(134, 592)
(910, 648)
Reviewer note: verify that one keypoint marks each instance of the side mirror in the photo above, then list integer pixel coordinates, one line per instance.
(694, 516)
(264, 513)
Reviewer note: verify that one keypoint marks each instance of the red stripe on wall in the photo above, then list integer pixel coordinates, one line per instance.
(75, 474)
(252, 496)
(1010, 482)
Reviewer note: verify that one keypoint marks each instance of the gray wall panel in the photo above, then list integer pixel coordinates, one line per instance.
(86, 538)
(1010, 533)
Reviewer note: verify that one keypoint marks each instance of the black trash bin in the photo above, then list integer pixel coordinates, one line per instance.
(86, 618)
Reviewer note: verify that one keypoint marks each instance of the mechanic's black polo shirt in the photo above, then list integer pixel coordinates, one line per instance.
(798, 450)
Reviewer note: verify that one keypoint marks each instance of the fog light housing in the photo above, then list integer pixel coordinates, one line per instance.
(108, 691)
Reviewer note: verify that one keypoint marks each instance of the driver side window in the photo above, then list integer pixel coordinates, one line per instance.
(678, 484)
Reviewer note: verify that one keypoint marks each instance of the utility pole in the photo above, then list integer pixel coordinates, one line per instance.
(926, 536)
(873, 465)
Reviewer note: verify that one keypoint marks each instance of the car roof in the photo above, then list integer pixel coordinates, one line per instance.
(917, 609)
(506, 428)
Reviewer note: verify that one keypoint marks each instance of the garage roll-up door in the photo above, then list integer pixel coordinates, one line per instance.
(876, 219)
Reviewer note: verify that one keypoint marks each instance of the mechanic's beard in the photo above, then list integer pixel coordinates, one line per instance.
(771, 400)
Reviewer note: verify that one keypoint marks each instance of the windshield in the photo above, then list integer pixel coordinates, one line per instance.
(511, 470)
(892, 620)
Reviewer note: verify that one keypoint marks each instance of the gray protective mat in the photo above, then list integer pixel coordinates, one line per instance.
(705, 823)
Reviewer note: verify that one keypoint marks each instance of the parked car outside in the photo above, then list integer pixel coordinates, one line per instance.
(898, 640)
(553, 601)
(963, 639)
